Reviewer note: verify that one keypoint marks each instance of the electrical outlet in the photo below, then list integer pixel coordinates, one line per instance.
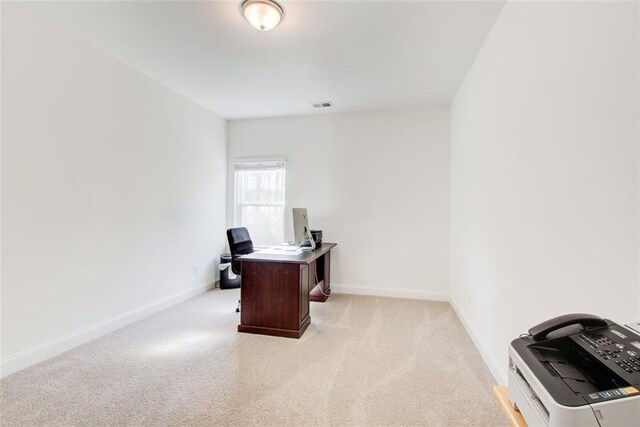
(196, 270)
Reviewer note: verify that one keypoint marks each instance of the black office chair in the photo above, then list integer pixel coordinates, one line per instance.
(240, 244)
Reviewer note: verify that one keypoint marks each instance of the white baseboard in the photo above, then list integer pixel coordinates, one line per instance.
(393, 293)
(39, 353)
(495, 372)
(44, 351)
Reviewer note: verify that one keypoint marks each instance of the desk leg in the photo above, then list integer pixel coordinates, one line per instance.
(327, 273)
(322, 289)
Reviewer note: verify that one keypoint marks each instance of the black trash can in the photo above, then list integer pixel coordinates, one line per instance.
(228, 280)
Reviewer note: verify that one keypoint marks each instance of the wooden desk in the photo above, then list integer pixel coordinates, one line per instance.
(276, 290)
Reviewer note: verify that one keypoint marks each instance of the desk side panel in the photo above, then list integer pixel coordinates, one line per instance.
(304, 292)
(270, 295)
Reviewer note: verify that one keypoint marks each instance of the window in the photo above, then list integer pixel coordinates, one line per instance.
(259, 199)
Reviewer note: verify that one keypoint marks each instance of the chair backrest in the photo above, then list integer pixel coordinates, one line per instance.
(240, 244)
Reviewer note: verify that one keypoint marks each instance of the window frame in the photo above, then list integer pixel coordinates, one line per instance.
(237, 206)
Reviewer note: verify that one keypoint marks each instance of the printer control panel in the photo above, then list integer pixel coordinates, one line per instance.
(616, 348)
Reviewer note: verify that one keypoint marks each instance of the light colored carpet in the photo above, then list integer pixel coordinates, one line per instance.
(363, 361)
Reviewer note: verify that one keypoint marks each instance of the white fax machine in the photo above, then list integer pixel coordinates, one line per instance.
(577, 370)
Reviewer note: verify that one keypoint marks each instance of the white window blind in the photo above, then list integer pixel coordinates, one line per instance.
(259, 199)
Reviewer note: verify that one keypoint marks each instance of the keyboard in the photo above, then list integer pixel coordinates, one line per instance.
(281, 250)
(286, 248)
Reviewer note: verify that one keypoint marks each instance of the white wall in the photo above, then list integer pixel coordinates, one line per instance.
(544, 172)
(113, 189)
(377, 183)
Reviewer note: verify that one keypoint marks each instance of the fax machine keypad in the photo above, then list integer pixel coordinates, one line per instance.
(613, 351)
(630, 364)
(595, 340)
(627, 360)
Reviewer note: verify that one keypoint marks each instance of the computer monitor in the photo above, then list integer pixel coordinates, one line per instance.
(301, 231)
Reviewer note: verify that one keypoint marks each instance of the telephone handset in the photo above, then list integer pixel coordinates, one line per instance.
(540, 332)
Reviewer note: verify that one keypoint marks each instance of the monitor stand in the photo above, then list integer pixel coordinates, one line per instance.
(309, 241)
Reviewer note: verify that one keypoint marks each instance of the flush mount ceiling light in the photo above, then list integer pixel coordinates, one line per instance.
(263, 15)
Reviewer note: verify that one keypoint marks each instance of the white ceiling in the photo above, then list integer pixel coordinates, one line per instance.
(360, 55)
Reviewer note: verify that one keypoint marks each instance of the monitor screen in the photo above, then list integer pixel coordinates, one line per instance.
(301, 231)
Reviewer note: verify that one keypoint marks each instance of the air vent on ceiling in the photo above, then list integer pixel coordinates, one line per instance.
(324, 104)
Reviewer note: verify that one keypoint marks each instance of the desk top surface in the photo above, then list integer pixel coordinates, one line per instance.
(303, 257)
